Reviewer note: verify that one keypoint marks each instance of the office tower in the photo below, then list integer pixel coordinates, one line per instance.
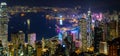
(112, 50)
(97, 38)
(75, 33)
(14, 44)
(112, 30)
(90, 23)
(83, 31)
(32, 39)
(14, 40)
(18, 38)
(3, 24)
(103, 48)
(21, 37)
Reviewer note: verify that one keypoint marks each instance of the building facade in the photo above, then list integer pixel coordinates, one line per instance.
(4, 24)
(18, 39)
(32, 39)
(83, 32)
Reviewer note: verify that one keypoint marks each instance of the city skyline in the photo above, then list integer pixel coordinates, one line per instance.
(59, 27)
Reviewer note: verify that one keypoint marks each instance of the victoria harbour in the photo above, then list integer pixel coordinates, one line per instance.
(59, 28)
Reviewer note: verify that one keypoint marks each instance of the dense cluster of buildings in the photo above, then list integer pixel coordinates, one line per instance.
(94, 32)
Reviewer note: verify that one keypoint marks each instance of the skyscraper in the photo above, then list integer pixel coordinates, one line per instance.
(14, 40)
(3, 23)
(21, 36)
(83, 31)
(32, 39)
(97, 38)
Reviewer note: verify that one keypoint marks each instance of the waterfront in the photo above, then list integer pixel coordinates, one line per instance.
(56, 31)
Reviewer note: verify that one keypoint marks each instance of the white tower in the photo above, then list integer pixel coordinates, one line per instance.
(89, 30)
(3, 24)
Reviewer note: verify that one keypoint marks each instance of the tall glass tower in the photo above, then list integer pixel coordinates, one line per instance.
(3, 24)
(83, 31)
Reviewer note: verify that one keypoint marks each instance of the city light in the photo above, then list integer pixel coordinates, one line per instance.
(22, 14)
(61, 21)
(28, 22)
(3, 3)
(67, 30)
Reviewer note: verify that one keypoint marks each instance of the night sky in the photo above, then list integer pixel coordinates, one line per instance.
(68, 3)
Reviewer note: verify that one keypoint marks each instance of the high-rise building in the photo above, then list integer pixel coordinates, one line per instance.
(3, 24)
(14, 44)
(114, 47)
(113, 33)
(97, 38)
(83, 31)
(103, 48)
(32, 39)
(21, 37)
(90, 24)
(14, 40)
(17, 39)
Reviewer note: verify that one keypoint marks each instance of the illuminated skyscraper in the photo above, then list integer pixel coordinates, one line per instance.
(21, 37)
(32, 39)
(83, 31)
(103, 48)
(3, 23)
(17, 40)
(14, 40)
(89, 29)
